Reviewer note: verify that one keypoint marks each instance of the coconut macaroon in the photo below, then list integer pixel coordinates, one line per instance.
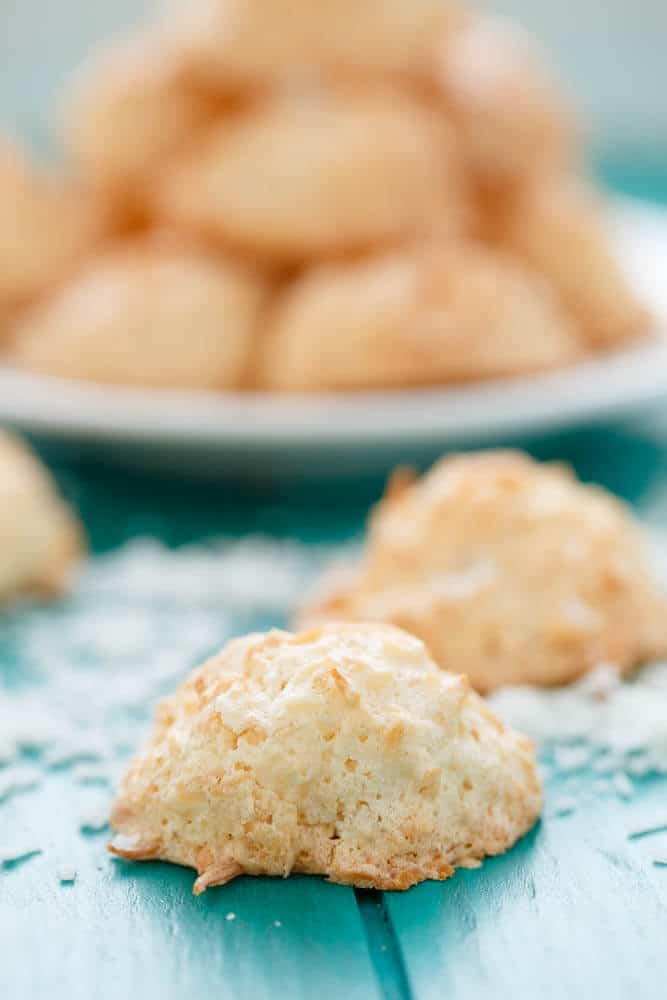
(509, 570)
(152, 312)
(320, 171)
(241, 43)
(558, 229)
(424, 314)
(129, 109)
(512, 120)
(41, 540)
(342, 751)
(46, 226)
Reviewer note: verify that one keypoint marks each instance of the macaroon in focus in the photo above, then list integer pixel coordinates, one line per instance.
(342, 751)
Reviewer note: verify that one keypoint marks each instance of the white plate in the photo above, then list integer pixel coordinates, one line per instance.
(366, 430)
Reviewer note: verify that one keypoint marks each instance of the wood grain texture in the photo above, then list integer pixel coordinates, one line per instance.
(125, 930)
(576, 910)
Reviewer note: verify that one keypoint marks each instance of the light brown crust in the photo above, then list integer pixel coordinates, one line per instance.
(341, 751)
(507, 569)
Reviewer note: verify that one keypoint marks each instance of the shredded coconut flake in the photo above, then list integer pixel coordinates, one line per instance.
(18, 851)
(612, 726)
(143, 615)
(564, 805)
(16, 779)
(66, 873)
(622, 785)
(95, 819)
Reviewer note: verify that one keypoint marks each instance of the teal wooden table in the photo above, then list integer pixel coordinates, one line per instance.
(576, 910)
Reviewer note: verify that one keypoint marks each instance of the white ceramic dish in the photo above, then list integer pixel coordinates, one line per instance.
(338, 433)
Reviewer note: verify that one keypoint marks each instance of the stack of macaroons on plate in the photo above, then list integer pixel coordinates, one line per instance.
(310, 197)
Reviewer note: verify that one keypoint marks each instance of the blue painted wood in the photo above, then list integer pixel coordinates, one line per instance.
(576, 910)
(137, 930)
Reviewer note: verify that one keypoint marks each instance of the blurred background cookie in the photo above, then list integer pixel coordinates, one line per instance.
(242, 43)
(47, 225)
(152, 312)
(510, 571)
(319, 171)
(41, 539)
(430, 313)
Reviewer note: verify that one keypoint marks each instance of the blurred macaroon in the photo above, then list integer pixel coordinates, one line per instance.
(249, 43)
(130, 108)
(41, 540)
(47, 225)
(557, 229)
(422, 315)
(317, 172)
(509, 570)
(513, 122)
(153, 312)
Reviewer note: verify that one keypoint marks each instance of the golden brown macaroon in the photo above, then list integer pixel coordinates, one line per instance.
(509, 570)
(321, 171)
(41, 540)
(341, 751)
(558, 229)
(513, 122)
(422, 315)
(46, 227)
(153, 312)
(129, 111)
(242, 43)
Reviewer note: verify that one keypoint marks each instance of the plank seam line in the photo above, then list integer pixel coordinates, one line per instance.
(383, 945)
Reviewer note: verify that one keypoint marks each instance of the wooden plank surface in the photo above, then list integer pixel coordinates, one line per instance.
(577, 910)
(136, 930)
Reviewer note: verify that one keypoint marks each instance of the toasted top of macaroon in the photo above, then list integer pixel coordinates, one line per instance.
(342, 751)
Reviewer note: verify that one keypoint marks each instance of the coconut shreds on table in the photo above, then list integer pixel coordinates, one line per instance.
(602, 722)
(17, 779)
(91, 669)
(18, 851)
(144, 615)
(66, 873)
(95, 819)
